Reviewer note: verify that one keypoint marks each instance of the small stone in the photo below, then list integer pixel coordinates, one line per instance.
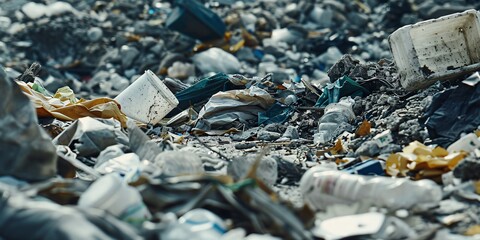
(368, 149)
(128, 55)
(268, 136)
(95, 34)
(291, 133)
(245, 145)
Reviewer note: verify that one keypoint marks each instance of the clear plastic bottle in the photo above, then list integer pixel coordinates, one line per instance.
(335, 115)
(323, 188)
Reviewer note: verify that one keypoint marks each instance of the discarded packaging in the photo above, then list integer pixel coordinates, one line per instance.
(224, 108)
(204, 224)
(112, 194)
(368, 167)
(147, 99)
(325, 188)
(48, 107)
(337, 117)
(437, 49)
(371, 225)
(467, 143)
(26, 149)
(454, 111)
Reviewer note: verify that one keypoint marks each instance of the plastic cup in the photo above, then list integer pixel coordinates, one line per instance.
(147, 99)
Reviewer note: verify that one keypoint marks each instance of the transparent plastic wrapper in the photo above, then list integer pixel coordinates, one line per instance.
(324, 188)
(330, 123)
(25, 218)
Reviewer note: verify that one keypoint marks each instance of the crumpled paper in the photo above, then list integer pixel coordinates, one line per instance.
(64, 105)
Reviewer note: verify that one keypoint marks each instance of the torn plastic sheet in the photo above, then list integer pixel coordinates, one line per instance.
(374, 224)
(224, 108)
(26, 149)
(67, 111)
(277, 113)
(193, 19)
(24, 218)
(170, 163)
(341, 88)
(90, 136)
(202, 91)
(454, 111)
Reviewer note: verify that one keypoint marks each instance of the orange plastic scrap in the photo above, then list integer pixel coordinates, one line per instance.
(436, 163)
(337, 148)
(363, 129)
(454, 158)
(53, 107)
(476, 184)
(396, 164)
(473, 230)
(417, 148)
(425, 162)
(429, 173)
(439, 152)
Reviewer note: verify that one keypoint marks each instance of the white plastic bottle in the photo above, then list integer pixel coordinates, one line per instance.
(323, 188)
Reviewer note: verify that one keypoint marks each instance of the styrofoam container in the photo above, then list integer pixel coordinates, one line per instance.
(113, 195)
(147, 99)
(437, 49)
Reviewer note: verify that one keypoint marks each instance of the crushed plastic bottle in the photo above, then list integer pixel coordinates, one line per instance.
(323, 188)
(337, 118)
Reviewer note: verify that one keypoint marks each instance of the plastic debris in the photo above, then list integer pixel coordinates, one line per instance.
(27, 150)
(433, 61)
(292, 144)
(332, 187)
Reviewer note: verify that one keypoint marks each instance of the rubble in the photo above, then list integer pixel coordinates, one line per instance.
(239, 119)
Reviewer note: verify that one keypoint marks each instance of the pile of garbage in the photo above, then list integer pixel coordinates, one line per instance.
(231, 120)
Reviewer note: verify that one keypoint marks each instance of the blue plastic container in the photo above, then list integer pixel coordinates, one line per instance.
(368, 167)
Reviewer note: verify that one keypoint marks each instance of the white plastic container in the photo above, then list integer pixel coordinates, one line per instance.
(204, 224)
(147, 99)
(437, 49)
(467, 143)
(323, 188)
(113, 195)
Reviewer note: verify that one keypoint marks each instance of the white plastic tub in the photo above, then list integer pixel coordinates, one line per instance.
(147, 99)
(111, 194)
(437, 49)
